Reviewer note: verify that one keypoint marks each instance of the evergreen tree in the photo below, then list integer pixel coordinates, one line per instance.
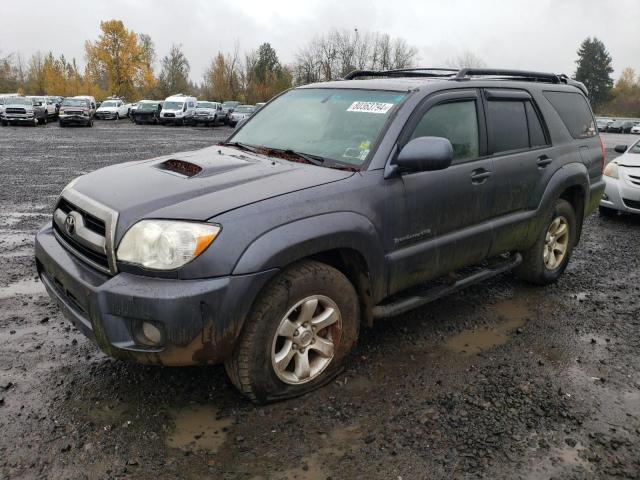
(594, 70)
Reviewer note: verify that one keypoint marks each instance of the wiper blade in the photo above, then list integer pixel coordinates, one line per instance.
(313, 159)
(241, 146)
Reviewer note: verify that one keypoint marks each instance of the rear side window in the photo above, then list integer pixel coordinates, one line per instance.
(574, 112)
(456, 121)
(514, 125)
(507, 125)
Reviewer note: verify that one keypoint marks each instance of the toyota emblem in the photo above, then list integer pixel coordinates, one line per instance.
(70, 224)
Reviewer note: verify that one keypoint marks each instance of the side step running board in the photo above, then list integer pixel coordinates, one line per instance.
(418, 299)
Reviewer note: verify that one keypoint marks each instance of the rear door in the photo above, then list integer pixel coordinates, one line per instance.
(444, 222)
(519, 143)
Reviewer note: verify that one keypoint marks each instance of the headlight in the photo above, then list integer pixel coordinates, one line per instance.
(165, 244)
(611, 170)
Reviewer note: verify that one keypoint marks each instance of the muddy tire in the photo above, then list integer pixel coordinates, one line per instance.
(545, 262)
(296, 337)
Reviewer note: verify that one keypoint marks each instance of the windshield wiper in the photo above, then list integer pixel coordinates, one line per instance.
(242, 146)
(313, 159)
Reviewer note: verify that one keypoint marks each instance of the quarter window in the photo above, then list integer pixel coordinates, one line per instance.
(574, 112)
(456, 121)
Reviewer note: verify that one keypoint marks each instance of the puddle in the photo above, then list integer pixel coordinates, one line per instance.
(309, 469)
(28, 286)
(198, 428)
(471, 342)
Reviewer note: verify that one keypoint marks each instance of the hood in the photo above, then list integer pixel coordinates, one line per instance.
(19, 105)
(197, 185)
(628, 160)
(107, 109)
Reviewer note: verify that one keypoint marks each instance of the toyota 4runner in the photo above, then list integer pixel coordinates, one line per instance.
(336, 204)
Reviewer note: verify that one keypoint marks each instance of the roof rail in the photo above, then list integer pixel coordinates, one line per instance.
(402, 72)
(575, 83)
(520, 74)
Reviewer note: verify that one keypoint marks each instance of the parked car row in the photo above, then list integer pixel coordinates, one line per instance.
(82, 110)
(618, 126)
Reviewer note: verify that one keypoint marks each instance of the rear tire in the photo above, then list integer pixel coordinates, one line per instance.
(545, 262)
(278, 328)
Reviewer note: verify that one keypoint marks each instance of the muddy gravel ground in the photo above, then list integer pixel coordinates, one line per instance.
(502, 380)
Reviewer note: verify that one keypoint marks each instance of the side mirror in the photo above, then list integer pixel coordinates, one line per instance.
(425, 154)
(621, 148)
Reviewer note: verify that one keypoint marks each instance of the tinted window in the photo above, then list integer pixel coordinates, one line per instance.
(536, 133)
(574, 112)
(456, 121)
(507, 125)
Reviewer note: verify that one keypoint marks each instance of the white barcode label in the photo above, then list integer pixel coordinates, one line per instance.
(370, 107)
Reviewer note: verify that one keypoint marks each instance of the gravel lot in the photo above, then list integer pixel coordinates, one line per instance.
(502, 380)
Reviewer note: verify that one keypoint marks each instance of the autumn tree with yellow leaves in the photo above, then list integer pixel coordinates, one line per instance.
(119, 60)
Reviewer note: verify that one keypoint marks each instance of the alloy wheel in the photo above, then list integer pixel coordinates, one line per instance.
(306, 340)
(556, 243)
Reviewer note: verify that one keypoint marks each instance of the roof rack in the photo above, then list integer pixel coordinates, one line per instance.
(495, 72)
(403, 72)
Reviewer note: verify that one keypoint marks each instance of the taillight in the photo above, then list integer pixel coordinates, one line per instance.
(604, 153)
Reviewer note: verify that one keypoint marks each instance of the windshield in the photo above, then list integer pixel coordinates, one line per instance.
(108, 104)
(147, 105)
(19, 101)
(244, 109)
(206, 105)
(75, 102)
(173, 105)
(332, 123)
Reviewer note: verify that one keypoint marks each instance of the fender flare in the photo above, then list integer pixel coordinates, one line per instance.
(303, 238)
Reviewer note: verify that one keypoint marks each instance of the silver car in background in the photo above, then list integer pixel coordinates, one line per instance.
(240, 113)
(622, 180)
(208, 113)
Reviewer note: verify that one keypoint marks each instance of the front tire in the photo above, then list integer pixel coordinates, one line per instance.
(547, 260)
(297, 334)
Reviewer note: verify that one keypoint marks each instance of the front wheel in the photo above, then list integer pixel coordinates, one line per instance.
(297, 335)
(543, 263)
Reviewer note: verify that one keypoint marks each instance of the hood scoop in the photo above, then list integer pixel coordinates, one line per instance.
(180, 167)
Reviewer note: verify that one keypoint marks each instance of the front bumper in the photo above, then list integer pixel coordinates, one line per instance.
(18, 118)
(618, 195)
(75, 119)
(105, 115)
(200, 320)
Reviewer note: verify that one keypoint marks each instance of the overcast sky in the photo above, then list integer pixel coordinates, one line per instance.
(526, 34)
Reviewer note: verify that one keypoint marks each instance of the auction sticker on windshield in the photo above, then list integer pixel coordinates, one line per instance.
(370, 107)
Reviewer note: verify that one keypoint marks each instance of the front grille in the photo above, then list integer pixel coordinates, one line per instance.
(87, 239)
(72, 112)
(171, 115)
(92, 223)
(97, 258)
(632, 203)
(635, 179)
(16, 110)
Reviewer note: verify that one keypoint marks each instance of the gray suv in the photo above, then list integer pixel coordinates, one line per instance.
(337, 204)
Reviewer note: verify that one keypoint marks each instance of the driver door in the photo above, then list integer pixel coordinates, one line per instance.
(444, 221)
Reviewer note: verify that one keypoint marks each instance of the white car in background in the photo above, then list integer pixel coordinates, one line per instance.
(622, 180)
(636, 129)
(178, 110)
(112, 109)
(49, 107)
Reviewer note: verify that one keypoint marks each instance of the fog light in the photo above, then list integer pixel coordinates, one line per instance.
(149, 334)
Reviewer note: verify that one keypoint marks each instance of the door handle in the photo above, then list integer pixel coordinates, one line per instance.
(543, 161)
(480, 175)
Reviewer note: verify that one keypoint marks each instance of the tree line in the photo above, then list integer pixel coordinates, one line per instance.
(122, 62)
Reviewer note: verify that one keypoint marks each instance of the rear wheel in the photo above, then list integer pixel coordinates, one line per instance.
(548, 258)
(297, 335)
(117, 116)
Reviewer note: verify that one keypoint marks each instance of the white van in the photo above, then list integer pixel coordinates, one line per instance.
(178, 109)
